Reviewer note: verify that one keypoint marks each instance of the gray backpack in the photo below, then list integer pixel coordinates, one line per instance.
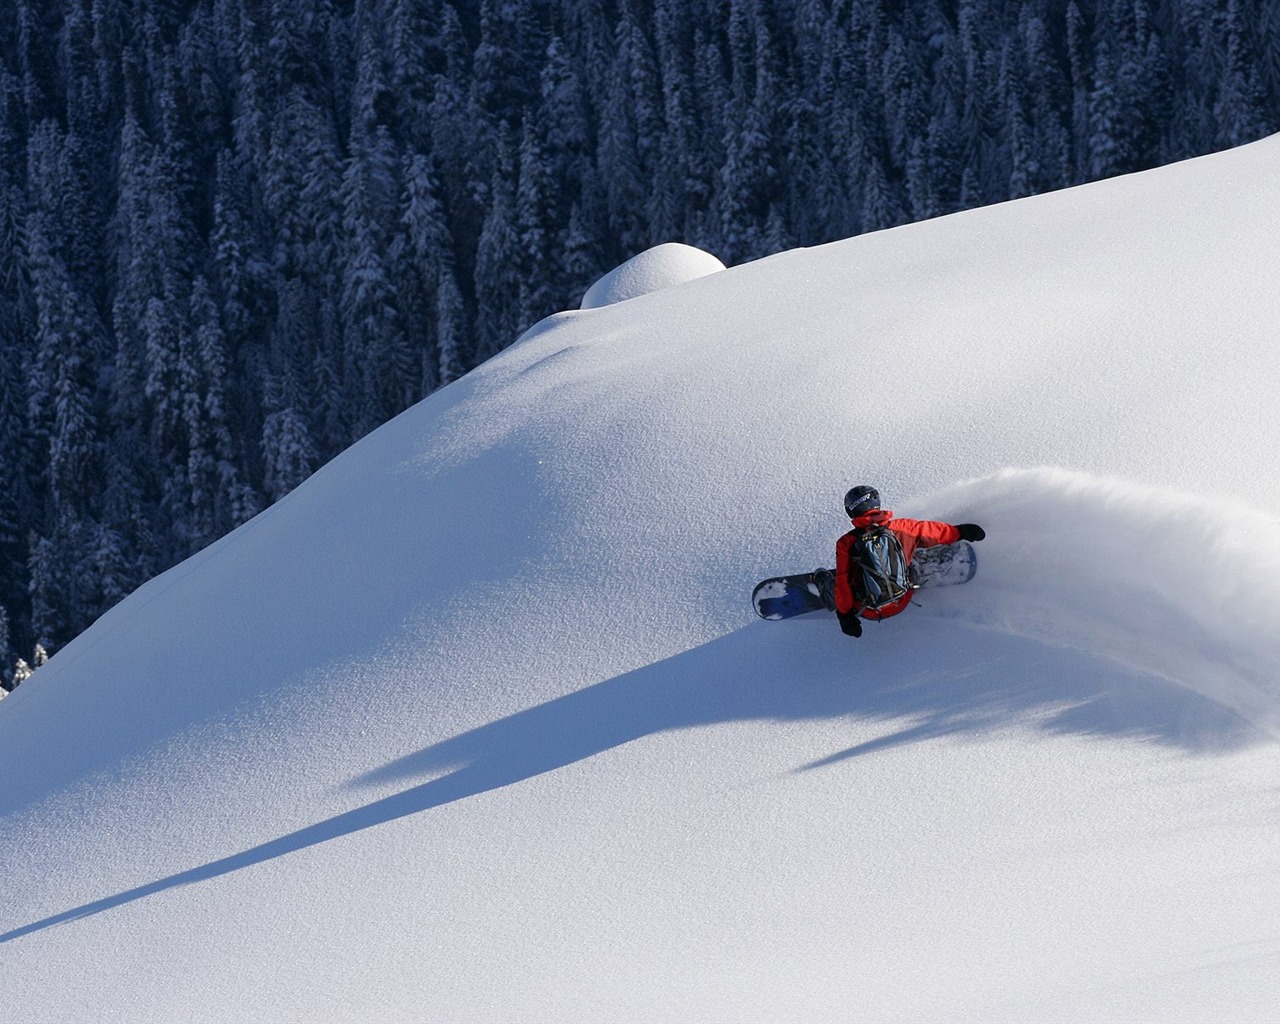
(880, 575)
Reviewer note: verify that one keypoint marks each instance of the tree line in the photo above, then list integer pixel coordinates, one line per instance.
(237, 235)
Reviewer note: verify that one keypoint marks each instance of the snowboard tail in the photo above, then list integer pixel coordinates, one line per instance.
(784, 597)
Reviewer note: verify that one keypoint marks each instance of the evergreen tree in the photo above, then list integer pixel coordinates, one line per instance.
(503, 67)
(6, 654)
(240, 271)
(289, 454)
(410, 37)
(618, 154)
(641, 88)
(674, 187)
(880, 207)
(1024, 170)
(371, 329)
(379, 368)
(421, 233)
(1108, 149)
(320, 206)
(220, 500)
(113, 573)
(497, 278)
(16, 443)
(1078, 70)
(535, 228)
(1239, 109)
(62, 380)
(450, 325)
(565, 117)
(747, 183)
(581, 247)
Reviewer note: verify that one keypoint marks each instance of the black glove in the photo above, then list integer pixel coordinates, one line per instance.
(971, 531)
(850, 624)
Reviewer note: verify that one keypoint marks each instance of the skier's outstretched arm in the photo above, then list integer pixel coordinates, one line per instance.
(930, 534)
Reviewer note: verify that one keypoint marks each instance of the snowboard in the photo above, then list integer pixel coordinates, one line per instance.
(944, 565)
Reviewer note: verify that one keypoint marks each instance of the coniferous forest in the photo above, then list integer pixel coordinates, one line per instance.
(237, 235)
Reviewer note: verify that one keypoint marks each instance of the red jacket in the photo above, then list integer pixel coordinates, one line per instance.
(913, 533)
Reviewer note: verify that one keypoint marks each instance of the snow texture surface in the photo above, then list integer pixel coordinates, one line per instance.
(479, 724)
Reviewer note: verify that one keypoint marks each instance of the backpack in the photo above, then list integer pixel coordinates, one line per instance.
(879, 574)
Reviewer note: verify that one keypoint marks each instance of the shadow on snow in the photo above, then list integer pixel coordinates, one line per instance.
(783, 671)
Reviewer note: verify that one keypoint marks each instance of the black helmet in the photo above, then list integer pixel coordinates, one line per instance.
(861, 500)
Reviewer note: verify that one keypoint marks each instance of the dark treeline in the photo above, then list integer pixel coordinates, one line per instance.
(236, 235)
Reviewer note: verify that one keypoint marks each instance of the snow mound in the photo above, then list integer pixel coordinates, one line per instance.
(661, 267)
(1173, 584)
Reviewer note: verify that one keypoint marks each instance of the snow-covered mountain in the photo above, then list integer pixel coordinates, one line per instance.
(478, 723)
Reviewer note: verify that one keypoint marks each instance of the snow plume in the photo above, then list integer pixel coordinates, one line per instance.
(1183, 586)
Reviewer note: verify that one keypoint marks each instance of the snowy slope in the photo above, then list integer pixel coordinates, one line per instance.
(478, 723)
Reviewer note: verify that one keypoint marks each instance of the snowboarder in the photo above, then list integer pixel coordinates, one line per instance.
(848, 587)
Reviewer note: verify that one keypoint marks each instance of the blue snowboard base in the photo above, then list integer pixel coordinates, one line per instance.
(783, 597)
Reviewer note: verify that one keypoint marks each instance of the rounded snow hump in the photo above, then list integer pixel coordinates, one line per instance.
(660, 267)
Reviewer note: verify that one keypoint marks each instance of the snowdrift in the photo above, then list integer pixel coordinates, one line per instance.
(479, 718)
(663, 266)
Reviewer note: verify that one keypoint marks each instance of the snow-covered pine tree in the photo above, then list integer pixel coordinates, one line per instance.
(410, 31)
(1047, 101)
(1239, 108)
(672, 184)
(497, 280)
(1024, 170)
(451, 325)
(535, 218)
(379, 370)
(566, 122)
(1108, 154)
(220, 499)
(17, 471)
(618, 151)
(240, 272)
(581, 245)
(61, 386)
(6, 654)
(287, 450)
(512, 36)
(422, 239)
